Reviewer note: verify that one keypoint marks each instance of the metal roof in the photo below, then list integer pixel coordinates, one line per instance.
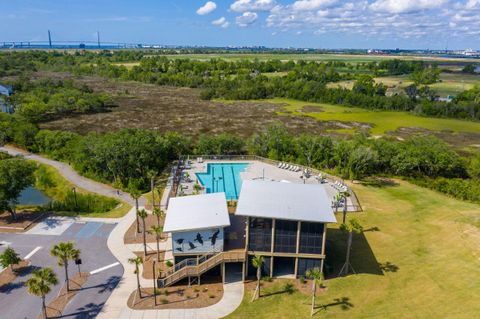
(290, 201)
(196, 212)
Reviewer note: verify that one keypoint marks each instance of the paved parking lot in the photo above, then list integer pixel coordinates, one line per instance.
(91, 238)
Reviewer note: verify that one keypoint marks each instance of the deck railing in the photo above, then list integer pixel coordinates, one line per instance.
(193, 267)
(355, 204)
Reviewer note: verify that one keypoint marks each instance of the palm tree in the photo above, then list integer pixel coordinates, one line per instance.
(64, 252)
(344, 196)
(257, 262)
(135, 193)
(352, 226)
(151, 175)
(143, 214)
(317, 277)
(159, 213)
(40, 284)
(157, 231)
(137, 261)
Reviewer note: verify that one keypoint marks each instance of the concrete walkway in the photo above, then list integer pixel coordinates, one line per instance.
(72, 176)
(116, 305)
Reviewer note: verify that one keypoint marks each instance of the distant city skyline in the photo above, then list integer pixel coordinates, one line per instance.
(385, 24)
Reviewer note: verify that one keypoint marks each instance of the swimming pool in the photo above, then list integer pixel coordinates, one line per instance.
(223, 177)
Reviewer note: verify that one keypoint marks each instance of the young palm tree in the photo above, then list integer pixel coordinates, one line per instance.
(64, 252)
(257, 262)
(136, 197)
(157, 231)
(137, 261)
(40, 284)
(151, 175)
(344, 196)
(352, 226)
(143, 214)
(159, 213)
(317, 277)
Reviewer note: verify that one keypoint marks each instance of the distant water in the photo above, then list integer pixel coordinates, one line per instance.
(32, 196)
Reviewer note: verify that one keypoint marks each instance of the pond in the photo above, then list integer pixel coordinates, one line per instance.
(32, 196)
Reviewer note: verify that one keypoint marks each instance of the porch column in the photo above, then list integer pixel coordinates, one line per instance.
(297, 249)
(272, 247)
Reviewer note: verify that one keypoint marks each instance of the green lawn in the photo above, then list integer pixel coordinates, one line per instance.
(450, 84)
(418, 258)
(383, 121)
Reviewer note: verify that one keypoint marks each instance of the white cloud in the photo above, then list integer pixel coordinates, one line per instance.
(222, 22)
(305, 5)
(252, 5)
(246, 19)
(405, 6)
(207, 8)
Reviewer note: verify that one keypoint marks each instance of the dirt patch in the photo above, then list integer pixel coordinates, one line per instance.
(311, 109)
(460, 141)
(148, 264)
(180, 296)
(25, 219)
(56, 307)
(8, 275)
(132, 236)
(165, 109)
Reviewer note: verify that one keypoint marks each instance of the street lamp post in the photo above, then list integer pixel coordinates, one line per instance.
(75, 196)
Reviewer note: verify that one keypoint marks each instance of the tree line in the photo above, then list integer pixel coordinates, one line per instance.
(133, 156)
(254, 79)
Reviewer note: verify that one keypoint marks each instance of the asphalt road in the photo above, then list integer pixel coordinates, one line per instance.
(91, 238)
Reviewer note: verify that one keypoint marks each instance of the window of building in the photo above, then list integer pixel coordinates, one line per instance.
(305, 264)
(311, 238)
(285, 236)
(260, 234)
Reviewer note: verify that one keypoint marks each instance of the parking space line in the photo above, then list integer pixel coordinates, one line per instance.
(96, 271)
(32, 252)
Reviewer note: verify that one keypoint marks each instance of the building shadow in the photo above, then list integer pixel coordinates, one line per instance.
(362, 258)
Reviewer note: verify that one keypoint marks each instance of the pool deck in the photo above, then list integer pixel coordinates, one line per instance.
(255, 170)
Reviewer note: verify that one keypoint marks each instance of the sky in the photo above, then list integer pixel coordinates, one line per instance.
(380, 24)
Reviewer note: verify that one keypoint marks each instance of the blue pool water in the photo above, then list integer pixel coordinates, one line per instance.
(223, 177)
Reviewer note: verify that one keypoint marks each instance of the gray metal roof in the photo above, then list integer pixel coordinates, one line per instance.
(196, 212)
(301, 202)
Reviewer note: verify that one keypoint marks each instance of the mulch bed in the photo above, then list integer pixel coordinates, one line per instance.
(134, 237)
(180, 296)
(56, 307)
(8, 275)
(279, 284)
(148, 264)
(25, 219)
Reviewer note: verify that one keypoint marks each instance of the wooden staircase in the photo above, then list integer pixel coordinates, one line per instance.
(194, 267)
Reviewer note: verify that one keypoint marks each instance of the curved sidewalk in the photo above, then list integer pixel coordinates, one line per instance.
(71, 175)
(116, 305)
